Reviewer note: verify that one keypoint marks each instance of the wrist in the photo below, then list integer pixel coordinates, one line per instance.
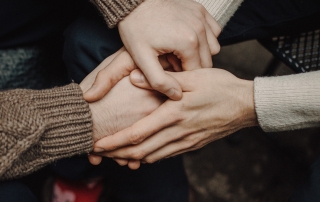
(248, 113)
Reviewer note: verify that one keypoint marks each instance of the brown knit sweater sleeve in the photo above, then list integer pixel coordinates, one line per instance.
(38, 127)
(114, 11)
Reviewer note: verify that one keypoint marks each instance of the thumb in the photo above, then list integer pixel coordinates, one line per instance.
(156, 76)
(109, 76)
(138, 79)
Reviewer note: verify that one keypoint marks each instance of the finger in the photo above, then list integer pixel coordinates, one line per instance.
(176, 148)
(216, 30)
(158, 79)
(204, 49)
(214, 25)
(134, 164)
(150, 145)
(173, 149)
(94, 159)
(188, 52)
(214, 45)
(140, 130)
(174, 62)
(138, 79)
(119, 67)
(121, 162)
(87, 82)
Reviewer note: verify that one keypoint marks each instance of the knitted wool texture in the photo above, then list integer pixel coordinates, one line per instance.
(288, 102)
(114, 11)
(38, 127)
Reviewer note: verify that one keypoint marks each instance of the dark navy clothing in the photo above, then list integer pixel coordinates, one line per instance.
(15, 191)
(26, 22)
(268, 18)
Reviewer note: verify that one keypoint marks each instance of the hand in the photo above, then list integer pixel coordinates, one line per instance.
(215, 104)
(116, 67)
(157, 27)
(120, 108)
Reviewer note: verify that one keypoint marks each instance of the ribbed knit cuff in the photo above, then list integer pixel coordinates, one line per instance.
(114, 11)
(288, 102)
(39, 127)
(221, 10)
(69, 126)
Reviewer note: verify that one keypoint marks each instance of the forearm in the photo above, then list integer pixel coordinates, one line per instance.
(38, 127)
(221, 10)
(288, 102)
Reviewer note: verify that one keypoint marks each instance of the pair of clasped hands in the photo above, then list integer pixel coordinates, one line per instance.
(159, 96)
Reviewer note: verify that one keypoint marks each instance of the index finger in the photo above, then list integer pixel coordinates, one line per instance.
(109, 76)
(149, 64)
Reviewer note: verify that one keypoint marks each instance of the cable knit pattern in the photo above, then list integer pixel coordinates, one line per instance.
(221, 10)
(114, 11)
(288, 102)
(38, 127)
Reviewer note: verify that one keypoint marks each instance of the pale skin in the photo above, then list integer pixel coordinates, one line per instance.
(121, 107)
(215, 104)
(182, 31)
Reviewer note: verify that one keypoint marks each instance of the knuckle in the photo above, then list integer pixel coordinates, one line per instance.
(199, 7)
(192, 40)
(135, 137)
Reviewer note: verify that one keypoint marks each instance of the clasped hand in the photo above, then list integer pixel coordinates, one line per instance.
(215, 104)
(182, 31)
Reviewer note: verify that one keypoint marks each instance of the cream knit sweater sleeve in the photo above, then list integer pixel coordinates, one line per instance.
(288, 102)
(221, 10)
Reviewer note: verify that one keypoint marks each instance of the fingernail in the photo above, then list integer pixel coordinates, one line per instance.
(98, 150)
(137, 77)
